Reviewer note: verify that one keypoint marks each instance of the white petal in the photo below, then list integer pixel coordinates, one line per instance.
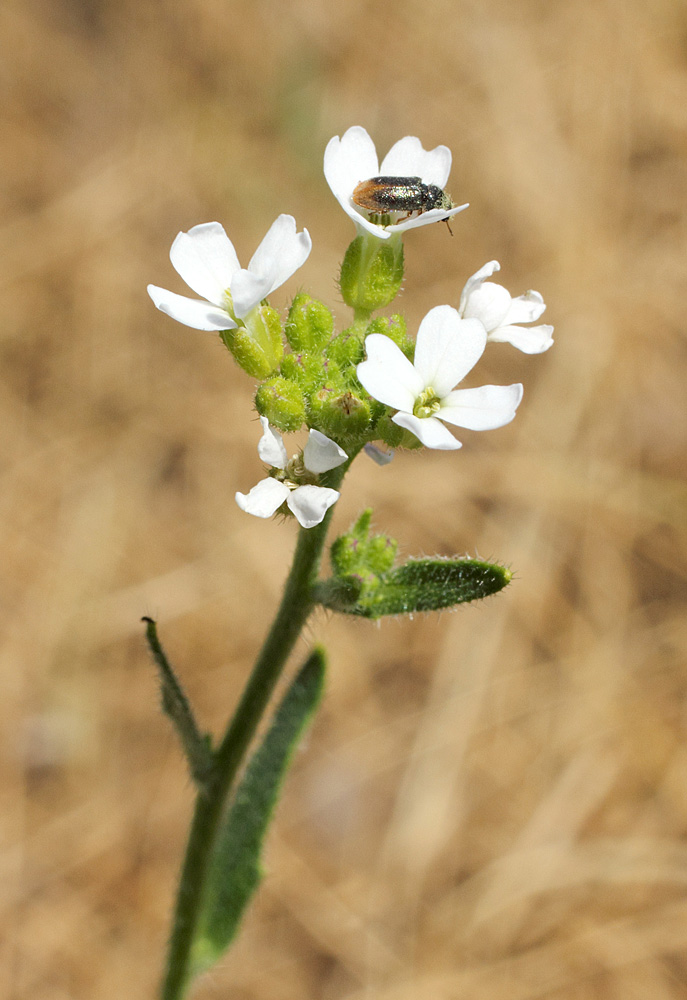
(447, 348)
(388, 375)
(425, 219)
(489, 303)
(429, 430)
(309, 504)
(377, 455)
(206, 260)
(198, 314)
(271, 446)
(525, 309)
(528, 339)
(407, 158)
(265, 498)
(481, 409)
(347, 161)
(281, 252)
(477, 278)
(321, 453)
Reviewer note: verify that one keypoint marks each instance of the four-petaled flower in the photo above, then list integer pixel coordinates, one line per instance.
(353, 158)
(306, 501)
(501, 314)
(447, 347)
(205, 258)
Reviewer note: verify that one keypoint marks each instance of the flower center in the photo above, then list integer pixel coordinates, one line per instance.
(295, 474)
(427, 403)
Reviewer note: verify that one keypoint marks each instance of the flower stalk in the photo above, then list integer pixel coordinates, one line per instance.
(296, 605)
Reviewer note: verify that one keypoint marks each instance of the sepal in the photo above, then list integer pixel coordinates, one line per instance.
(371, 272)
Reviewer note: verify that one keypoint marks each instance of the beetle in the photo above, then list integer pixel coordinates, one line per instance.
(383, 195)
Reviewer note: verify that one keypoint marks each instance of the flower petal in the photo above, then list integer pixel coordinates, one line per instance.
(481, 409)
(489, 303)
(477, 278)
(528, 339)
(525, 309)
(271, 446)
(198, 314)
(408, 158)
(429, 430)
(347, 161)
(377, 454)
(281, 252)
(447, 348)
(205, 258)
(309, 504)
(322, 454)
(424, 219)
(265, 498)
(388, 375)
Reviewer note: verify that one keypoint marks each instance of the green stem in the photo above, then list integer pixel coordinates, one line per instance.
(294, 610)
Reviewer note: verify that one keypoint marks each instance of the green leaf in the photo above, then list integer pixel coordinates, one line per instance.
(235, 870)
(418, 585)
(175, 704)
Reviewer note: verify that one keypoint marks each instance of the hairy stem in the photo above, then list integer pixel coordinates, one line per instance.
(296, 605)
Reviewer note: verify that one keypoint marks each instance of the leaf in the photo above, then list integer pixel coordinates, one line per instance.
(235, 870)
(175, 704)
(417, 585)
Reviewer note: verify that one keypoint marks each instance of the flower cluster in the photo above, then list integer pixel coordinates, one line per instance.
(369, 382)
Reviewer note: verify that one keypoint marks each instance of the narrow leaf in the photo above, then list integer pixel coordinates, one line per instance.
(176, 705)
(420, 585)
(235, 871)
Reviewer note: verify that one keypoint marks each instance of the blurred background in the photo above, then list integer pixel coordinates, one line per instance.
(492, 803)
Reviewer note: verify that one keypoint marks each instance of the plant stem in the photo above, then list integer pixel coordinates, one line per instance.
(296, 605)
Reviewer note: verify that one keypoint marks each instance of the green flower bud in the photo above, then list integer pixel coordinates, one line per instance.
(389, 432)
(381, 553)
(371, 272)
(347, 348)
(309, 325)
(393, 327)
(282, 403)
(340, 415)
(257, 346)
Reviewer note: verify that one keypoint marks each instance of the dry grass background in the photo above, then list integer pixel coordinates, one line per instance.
(492, 804)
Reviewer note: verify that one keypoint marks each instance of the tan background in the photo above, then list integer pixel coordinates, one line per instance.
(492, 804)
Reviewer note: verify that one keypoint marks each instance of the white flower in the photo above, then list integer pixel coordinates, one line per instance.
(352, 158)
(499, 313)
(308, 503)
(205, 258)
(447, 347)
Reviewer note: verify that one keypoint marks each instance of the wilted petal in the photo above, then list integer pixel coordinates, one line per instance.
(205, 258)
(447, 348)
(528, 339)
(321, 453)
(271, 446)
(477, 278)
(429, 430)
(377, 454)
(525, 309)
(388, 375)
(309, 504)
(408, 158)
(265, 498)
(191, 312)
(481, 409)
